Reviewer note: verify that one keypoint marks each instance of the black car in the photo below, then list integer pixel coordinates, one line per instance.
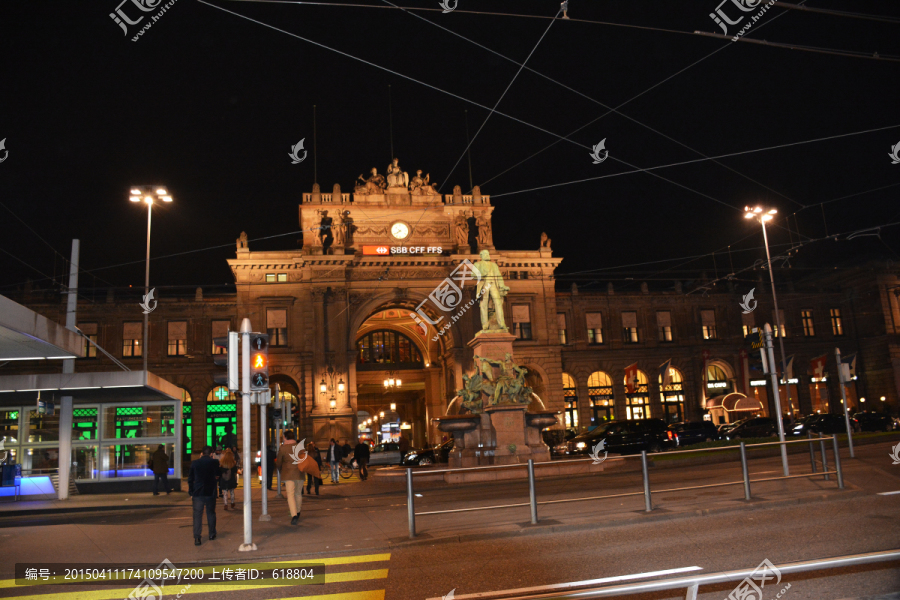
(429, 456)
(694, 432)
(624, 436)
(872, 421)
(753, 427)
(828, 423)
(802, 426)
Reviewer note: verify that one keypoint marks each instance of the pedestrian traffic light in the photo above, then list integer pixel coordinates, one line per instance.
(227, 359)
(259, 362)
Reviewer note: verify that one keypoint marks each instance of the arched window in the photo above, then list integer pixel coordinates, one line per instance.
(718, 380)
(672, 396)
(570, 395)
(600, 390)
(386, 347)
(637, 401)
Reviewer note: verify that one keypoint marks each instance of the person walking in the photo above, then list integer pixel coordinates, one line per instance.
(310, 478)
(202, 489)
(229, 439)
(335, 454)
(290, 475)
(228, 478)
(159, 464)
(217, 455)
(404, 447)
(361, 454)
(346, 450)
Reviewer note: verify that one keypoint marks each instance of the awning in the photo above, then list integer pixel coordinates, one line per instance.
(85, 388)
(26, 335)
(734, 402)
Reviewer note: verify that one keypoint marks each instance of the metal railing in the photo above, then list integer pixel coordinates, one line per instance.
(692, 583)
(648, 504)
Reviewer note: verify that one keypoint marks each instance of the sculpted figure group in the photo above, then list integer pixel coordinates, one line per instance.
(396, 178)
(508, 388)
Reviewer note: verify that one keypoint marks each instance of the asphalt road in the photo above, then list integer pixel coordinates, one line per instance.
(366, 530)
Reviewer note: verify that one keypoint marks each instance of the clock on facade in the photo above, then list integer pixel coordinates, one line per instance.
(400, 230)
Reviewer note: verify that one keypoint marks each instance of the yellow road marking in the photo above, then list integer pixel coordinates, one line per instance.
(114, 594)
(330, 560)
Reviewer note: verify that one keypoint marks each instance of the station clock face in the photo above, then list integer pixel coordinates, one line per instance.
(400, 230)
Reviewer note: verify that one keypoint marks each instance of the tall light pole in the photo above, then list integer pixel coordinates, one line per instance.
(146, 194)
(762, 216)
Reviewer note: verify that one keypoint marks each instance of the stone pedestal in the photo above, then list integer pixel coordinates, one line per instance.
(492, 344)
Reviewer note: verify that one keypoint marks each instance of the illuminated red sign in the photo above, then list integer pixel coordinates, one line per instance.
(376, 250)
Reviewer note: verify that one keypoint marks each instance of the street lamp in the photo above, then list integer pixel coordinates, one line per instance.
(147, 194)
(762, 215)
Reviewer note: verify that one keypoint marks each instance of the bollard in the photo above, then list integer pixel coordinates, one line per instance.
(746, 471)
(647, 504)
(824, 458)
(837, 464)
(410, 504)
(812, 451)
(531, 492)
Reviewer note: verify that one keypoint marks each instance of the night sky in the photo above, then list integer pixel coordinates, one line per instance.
(210, 103)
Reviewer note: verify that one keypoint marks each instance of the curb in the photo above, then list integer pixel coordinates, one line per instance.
(641, 517)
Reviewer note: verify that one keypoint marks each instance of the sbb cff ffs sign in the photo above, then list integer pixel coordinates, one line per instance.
(259, 362)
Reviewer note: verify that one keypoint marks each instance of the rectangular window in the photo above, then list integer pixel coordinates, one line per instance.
(561, 325)
(177, 338)
(778, 331)
(594, 327)
(521, 314)
(748, 323)
(132, 336)
(219, 329)
(837, 326)
(270, 277)
(276, 326)
(809, 329)
(664, 323)
(90, 331)
(282, 278)
(629, 327)
(708, 321)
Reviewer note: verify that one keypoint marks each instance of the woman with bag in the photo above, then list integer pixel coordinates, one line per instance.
(228, 477)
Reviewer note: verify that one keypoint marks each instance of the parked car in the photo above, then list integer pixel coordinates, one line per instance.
(693, 432)
(828, 423)
(872, 421)
(385, 454)
(429, 456)
(624, 436)
(726, 427)
(802, 426)
(753, 427)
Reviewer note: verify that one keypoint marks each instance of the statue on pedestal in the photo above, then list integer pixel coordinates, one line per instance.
(375, 184)
(461, 228)
(395, 176)
(339, 230)
(242, 241)
(484, 231)
(422, 186)
(490, 293)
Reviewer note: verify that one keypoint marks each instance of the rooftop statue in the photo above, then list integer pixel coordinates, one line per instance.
(375, 184)
(395, 176)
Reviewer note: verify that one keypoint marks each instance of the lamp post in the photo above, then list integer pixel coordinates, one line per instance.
(762, 216)
(146, 194)
(326, 388)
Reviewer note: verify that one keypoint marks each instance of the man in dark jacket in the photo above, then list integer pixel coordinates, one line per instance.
(229, 439)
(159, 464)
(347, 449)
(361, 454)
(202, 488)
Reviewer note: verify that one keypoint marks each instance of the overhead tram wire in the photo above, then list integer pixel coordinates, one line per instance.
(699, 160)
(432, 86)
(830, 51)
(839, 13)
(503, 95)
(583, 95)
(633, 98)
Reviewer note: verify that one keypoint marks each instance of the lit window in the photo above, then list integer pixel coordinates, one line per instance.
(629, 327)
(664, 324)
(837, 326)
(571, 397)
(600, 391)
(776, 319)
(594, 327)
(270, 277)
(177, 335)
(276, 326)
(282, 277)
(809, 330)
(132, 335)
(90, 332)
(521, 314)
(708, 320)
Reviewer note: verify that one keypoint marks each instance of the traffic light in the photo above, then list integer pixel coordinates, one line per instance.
(259, 362)
(228, 359)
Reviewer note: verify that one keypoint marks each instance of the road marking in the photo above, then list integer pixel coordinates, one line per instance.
(571, 584)
(888, 493)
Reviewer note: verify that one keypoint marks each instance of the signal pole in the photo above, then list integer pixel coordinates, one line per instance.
(248, 544)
